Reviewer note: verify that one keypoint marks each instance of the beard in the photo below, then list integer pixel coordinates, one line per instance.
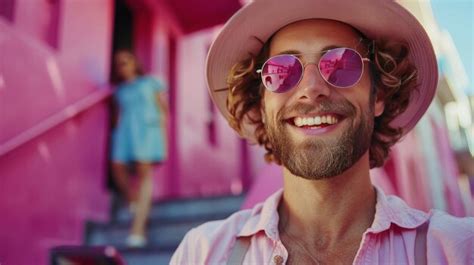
(318, 158)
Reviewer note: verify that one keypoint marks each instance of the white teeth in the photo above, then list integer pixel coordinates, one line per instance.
(315, 121)
(324, 119)
(298, 121)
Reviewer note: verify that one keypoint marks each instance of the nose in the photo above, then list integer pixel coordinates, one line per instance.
(312, 85)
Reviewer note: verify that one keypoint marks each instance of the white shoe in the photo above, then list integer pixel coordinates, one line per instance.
(136, 241)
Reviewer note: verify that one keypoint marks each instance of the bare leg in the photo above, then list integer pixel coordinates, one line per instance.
(145, 190)
(120, 172)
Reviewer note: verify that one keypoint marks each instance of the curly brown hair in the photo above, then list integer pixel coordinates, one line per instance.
(394, 78)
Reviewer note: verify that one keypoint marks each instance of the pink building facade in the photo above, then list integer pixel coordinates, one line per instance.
(55, 62)
(55, 59)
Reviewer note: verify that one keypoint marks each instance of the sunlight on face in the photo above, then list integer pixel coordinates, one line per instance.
(333, 148)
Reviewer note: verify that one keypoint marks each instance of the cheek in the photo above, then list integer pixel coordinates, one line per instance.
(272, 103)
(366, 80)
(361, 93)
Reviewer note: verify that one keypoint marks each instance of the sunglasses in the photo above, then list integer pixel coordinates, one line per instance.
(339, 67)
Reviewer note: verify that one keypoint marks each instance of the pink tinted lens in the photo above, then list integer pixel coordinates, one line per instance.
(341, 67)
(281, 73)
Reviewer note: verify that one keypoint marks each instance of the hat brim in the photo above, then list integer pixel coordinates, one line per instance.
(243, 34)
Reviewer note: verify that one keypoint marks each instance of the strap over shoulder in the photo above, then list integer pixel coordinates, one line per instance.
(420, 244)
(239, 250)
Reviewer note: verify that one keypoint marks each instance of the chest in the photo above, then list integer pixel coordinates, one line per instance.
(343, 254)
(395, 246)
(136, 94)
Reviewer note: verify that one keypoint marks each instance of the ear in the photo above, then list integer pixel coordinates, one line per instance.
(379, 107)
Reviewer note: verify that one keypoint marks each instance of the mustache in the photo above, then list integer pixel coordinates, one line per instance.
(342, 107)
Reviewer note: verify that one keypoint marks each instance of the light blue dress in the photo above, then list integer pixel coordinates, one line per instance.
(138, 135)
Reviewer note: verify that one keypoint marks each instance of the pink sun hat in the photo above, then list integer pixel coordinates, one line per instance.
(260, 19)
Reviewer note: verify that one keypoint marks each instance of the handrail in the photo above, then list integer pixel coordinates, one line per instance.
(54, 120)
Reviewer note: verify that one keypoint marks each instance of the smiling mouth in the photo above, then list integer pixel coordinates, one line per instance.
(314, 122)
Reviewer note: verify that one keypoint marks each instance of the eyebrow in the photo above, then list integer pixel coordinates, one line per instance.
(325, 49)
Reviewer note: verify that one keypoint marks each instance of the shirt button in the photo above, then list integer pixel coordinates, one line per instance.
(278, 259)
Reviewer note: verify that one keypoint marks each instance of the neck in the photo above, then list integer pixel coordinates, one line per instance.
(325, 212)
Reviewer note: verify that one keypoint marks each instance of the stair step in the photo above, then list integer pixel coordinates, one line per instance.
(163, 234)
(168, 222)
(186, 208)
(146, 256)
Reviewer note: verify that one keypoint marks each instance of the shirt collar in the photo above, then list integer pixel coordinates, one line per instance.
(264, 217)
(393, 210)
(388, 209)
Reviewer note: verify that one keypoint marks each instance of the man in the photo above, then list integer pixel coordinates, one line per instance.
(362, 74)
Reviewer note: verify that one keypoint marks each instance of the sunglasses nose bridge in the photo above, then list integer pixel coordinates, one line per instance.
(312, 83)
(307, 64)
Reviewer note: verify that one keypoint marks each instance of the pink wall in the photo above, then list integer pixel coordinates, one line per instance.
(38, 19)
(196, 166)
(154, 26)
(206, 168)
(55, 58)
(54, 120)
(50, 186)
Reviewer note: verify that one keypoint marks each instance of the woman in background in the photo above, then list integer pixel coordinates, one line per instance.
(138, 137)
